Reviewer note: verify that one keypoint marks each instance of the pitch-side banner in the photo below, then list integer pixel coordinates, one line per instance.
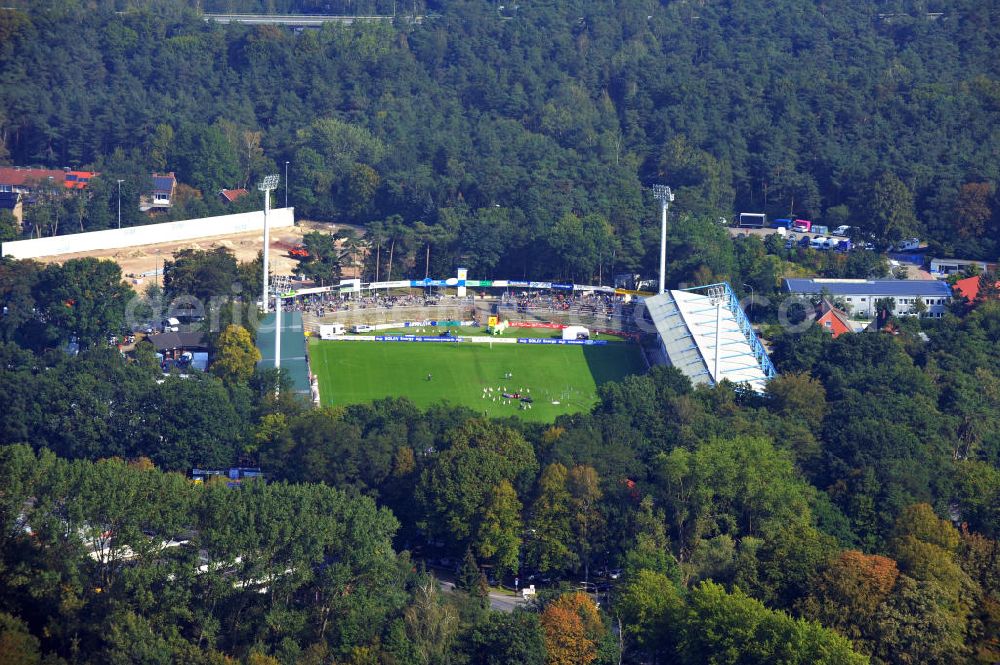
(395, 284)
(571, 342)
(414, 338)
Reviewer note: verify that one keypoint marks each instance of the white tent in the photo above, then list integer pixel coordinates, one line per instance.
(575, 332)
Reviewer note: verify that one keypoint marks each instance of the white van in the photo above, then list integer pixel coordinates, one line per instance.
(331, 330)
(907, 245)
(361, 328)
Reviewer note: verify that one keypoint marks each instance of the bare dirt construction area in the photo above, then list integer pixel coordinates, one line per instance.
(135, 261)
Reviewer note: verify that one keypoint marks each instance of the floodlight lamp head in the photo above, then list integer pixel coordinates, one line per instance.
(663, 193)
(268, 183)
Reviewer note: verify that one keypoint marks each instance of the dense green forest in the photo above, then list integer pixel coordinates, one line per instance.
(504, 140)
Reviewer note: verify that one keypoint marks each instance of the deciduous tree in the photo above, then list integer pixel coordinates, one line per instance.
(499, 536)
(572, 629)
(551, 537)
(236, 356)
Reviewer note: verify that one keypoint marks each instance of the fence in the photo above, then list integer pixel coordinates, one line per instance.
(133, 236)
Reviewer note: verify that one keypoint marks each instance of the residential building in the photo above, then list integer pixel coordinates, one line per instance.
(232, 195)
(164, 188)
(860, 295)
(832, 320)
(13, 202)
(26, 180)
(969, 288)
(77, 179)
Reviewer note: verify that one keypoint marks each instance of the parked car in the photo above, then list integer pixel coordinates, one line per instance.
(842, 231)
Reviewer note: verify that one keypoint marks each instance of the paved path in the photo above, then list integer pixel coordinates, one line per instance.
(303, 20)
(500, 602)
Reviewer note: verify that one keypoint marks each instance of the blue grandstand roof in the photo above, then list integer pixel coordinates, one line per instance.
(871, 287)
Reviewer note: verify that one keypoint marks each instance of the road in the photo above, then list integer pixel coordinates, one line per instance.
(302, 21)
(500, 602)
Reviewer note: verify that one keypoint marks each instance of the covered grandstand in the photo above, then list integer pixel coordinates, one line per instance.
(706, 335)
(293, 349)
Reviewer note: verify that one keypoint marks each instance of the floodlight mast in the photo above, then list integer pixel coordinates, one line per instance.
(664, 195)
(267, 185)
(277, 331)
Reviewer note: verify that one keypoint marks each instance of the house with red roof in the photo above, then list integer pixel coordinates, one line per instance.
(25, 180)
(77, 179)
(970, 288)
(832, 320)
(231, 195)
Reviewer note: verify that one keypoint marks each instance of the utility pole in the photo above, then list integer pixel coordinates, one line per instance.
(267, 185)
(286, 183)
(663, 194)
(120, 203)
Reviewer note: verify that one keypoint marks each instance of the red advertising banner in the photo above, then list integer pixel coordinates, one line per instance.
(536, 324)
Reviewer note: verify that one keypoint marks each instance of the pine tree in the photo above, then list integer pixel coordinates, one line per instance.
(469, 574)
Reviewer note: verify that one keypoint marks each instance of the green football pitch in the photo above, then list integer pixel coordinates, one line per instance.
(559, 379)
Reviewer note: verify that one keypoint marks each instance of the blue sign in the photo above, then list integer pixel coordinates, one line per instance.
(574, 342)
(565, 287)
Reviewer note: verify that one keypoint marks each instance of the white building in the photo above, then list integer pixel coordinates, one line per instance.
(945, 267)
(860, 295)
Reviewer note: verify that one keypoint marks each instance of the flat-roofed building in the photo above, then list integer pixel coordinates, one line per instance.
(945, 267)
(860, 295)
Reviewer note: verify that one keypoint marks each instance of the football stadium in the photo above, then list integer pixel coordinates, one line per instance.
(535, 350)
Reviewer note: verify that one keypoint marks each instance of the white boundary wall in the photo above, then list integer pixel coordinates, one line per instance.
(133, 236)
